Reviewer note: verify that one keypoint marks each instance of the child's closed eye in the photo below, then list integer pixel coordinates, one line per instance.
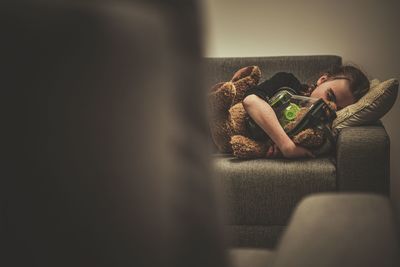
(330, 95)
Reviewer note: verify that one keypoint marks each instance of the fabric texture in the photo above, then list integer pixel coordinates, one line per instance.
(344, 230)
(265, 192)
(371, 107)
(363, 159)
(250, 257)
(254, 236)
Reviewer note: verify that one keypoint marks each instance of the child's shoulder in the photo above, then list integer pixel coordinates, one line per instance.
(283, 74)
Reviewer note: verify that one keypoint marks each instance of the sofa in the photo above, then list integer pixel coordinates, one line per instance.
(261, 194)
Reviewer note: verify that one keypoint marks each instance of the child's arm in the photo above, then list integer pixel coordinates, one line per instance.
(262, 113)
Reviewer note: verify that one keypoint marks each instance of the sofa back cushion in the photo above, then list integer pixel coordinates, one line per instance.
(305, 68)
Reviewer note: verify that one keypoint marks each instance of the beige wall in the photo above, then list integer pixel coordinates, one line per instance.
(362, 32)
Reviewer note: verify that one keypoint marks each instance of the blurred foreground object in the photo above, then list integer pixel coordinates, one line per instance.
(332, 230)
(107, 159)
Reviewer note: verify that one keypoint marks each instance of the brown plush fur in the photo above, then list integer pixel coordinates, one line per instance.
(227, 118)
(244, 147)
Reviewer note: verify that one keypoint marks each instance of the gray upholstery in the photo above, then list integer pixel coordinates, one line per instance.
(340, 230)
(264, 192)
(251, 257)
(257, 236)
(261, 194)
(363, 159)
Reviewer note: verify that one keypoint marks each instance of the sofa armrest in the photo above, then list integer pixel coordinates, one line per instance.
(340, 230)
(363, 159)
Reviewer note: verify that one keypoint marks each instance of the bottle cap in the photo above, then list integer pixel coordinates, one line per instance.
(291, 111)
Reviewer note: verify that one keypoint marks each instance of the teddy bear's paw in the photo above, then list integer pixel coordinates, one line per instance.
(310, 138)
(221, 97)
(244, 79)
(246, 148)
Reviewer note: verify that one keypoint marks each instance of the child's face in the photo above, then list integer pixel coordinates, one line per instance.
(337, 91)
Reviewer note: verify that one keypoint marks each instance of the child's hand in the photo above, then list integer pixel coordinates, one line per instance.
(274, 151)
(292, 150)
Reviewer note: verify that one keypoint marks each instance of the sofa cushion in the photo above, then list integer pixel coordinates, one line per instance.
(305, 68)
(371, 107)
(265, 191)
(340, 230)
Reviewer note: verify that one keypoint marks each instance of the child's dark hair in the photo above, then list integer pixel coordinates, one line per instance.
(359, 83)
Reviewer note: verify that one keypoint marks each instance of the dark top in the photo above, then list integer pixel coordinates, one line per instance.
(268, 88)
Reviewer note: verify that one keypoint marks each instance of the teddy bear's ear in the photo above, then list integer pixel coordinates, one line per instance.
(216, 86)
(252, 71)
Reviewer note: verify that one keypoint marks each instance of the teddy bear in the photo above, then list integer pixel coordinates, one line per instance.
(227, 119)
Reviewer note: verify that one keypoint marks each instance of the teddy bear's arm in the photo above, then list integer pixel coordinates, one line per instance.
(310, 138)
